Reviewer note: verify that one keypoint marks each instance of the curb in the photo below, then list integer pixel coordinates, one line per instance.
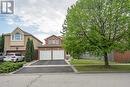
(16, 70)
(101, 72)
(74, 69)
(46, 65)
(28, 64)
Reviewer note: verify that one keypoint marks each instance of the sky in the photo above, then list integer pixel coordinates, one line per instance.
(41, 18)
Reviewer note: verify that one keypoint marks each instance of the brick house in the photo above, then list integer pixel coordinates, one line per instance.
(121, 57)
(16, 41)
(52, 49)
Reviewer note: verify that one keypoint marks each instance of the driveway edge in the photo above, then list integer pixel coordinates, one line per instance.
(74, 69)
(27, 64)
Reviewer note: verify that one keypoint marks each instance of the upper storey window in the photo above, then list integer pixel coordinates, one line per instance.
(53, 42)
(17, 37)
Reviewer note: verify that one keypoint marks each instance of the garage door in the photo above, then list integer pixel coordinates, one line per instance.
(58, 54)
(45, 55)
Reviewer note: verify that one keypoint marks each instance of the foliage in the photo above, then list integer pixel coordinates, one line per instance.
(2, 43)
(32, 50)
(29, 55)
(6, 67)
(97, 26)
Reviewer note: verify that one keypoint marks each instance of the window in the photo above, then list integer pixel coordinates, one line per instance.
(53, 41)
(57, 41)
(49, 41)
(17, 37)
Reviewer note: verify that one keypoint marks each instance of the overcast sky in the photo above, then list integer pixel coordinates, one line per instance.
(41, 18)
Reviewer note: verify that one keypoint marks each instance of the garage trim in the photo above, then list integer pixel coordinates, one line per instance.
(52, 53)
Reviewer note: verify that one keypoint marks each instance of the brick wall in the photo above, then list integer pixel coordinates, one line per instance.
(122, 57)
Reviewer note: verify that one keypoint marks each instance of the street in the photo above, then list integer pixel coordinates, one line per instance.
(66, 80)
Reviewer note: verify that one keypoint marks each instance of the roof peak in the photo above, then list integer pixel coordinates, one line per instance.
(25, 33)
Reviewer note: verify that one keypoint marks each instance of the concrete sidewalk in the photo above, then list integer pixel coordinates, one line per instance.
(65, 80)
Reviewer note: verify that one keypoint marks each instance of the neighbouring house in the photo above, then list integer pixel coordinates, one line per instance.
(16, 41)
(52, 49)
(122, 57)
(116, 56)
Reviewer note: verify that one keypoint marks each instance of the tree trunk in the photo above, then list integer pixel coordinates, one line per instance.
(106, 60)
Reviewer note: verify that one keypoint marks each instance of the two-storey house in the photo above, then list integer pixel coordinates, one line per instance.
(52, 49)
(16, 41)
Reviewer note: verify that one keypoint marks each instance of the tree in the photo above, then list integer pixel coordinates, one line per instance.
(98, 27)
(32, 50)
(2, 43)
(30, 53)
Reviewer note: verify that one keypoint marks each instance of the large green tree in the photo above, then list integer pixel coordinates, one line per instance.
(97, 26)
(2, 43)
(29, 55)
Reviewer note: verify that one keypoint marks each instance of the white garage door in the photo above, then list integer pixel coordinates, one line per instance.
(45, 55)
(58, 54)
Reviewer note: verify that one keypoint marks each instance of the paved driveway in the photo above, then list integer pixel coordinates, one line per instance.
(58, 69)
(66, 80)
(50, 62)
(44, 66)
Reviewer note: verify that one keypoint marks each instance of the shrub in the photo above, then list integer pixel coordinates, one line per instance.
(7, 67)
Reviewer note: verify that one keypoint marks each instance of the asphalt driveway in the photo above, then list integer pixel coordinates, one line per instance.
(59, 69)
(42, 66)
(50, 62)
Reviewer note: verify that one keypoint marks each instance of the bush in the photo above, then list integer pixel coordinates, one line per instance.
(7, 67)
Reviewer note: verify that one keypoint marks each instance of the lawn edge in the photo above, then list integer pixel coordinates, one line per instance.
(72, 66)
(93, 72)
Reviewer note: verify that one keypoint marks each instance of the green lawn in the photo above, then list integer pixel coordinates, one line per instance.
(86, 62)
(102, 68)
(83, 65)
(6, 67)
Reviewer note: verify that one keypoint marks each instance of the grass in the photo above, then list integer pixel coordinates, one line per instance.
(6, 67)
(88, 68)
(86, 62)
(84, 65)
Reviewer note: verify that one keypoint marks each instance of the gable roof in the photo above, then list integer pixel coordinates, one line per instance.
(53, 36)
(25, 33)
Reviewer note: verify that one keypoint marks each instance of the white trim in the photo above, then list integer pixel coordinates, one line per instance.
(21, 37)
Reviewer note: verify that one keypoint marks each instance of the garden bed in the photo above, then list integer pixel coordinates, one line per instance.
(6, 67)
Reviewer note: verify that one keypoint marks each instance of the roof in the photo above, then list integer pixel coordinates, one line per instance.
(25, 33)
(60, 37)
(45, 46)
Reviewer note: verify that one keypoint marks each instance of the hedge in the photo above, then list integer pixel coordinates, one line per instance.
(6, 67)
